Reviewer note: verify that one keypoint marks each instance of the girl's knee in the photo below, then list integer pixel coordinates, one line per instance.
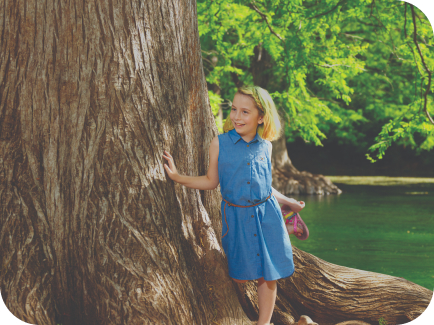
(239, 281)
(262, 280)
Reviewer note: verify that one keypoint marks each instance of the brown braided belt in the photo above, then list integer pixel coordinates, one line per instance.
(239, 206)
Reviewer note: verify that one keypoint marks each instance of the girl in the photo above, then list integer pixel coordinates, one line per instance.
(254, 237)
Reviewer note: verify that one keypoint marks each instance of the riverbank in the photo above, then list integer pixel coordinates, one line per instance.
(380, 180)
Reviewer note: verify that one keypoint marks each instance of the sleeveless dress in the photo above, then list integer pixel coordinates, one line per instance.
(256, 243)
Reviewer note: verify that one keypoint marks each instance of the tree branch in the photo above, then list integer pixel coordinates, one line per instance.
(367, 24)
(405, 20)
(323, 98)
(331, 10)
(325, 65)
(425, 95)
(264, 16)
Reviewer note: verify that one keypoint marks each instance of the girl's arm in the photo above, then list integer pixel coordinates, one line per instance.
(207, 182)
(293, 204)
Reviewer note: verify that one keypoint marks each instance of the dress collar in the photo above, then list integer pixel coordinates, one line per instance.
(235, 137)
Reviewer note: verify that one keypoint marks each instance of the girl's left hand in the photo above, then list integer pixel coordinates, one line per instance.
(297, 206)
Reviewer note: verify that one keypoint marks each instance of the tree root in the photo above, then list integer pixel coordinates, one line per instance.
(332, 294)
(289, 180)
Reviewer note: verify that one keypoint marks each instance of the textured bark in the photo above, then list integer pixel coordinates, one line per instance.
(92, 231)
(332, 294)
(288, 180)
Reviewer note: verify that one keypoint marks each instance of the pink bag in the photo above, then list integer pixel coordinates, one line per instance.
(295, 219)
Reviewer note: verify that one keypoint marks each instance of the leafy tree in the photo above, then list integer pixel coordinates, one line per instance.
(350, 70)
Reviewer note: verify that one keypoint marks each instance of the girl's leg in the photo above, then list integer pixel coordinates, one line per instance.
(267, 291)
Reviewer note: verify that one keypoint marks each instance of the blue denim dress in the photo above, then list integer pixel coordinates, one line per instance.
(256, 243)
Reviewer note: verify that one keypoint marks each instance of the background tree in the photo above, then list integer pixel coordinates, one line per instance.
(356, 72)
(92, 232)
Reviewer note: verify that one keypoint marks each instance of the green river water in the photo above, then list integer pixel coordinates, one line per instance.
(386, 227)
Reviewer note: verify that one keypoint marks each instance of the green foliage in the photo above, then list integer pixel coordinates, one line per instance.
(347, 70)
(382, 321)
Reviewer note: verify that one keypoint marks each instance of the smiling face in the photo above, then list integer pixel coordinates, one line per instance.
(245, 116)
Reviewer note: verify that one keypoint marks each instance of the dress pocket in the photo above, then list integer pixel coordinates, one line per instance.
(261, 163)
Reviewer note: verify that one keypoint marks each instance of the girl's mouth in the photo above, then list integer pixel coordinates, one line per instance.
(239, 125)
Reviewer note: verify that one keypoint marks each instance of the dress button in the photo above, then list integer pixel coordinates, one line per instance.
(254, 235)
(253, 216)
(258, 254)
(248, 182)
(248, 163)
(247, 145)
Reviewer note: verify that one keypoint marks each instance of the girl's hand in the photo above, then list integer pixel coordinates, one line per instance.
(294, 205)
(171, 169)
(297, 206)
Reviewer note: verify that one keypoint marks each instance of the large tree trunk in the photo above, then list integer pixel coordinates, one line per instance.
(92, 231)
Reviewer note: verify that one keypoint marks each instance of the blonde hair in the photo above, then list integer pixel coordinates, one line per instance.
(271, 128)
